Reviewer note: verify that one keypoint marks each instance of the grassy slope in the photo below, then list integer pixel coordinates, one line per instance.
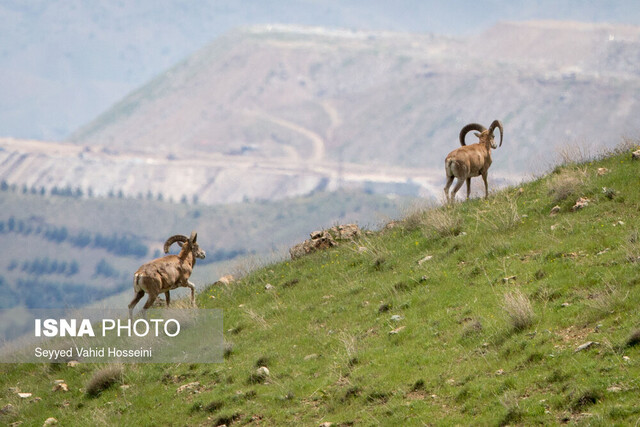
(323, 331)
(259, 227)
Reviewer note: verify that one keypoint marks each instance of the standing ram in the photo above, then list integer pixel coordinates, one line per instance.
(167, 273)
(471, 160)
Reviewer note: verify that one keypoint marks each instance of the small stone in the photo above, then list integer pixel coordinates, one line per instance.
(60, 387)
(635, 155)
(311, 356)
(268, 286)
(396, 317)
(509, 279)
(50, 421)
(73, 363)
(581, 203)
(189, 387)
(554, 226)
(614, 389)
(397, 330)
(554, 210)
(626, 358)
(586, 346)
(425, 259)
(391, 224)
(362, 249)
(7, 409)
(520, 190)
(602, 171)
(24, 395)
(225, 280)
(263, 371)
(565, 304)
(326, 424)
(125, 386)
(500, 372)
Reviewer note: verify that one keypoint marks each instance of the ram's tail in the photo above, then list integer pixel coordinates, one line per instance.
(137, 279)
(454, 167)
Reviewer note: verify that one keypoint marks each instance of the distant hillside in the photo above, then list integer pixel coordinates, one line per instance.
(64, 62)
(69, 250)
(271, 112)
(488, 312)
(385, 99)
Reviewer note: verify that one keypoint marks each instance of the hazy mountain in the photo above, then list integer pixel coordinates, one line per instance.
(274, 111)
(64, 62)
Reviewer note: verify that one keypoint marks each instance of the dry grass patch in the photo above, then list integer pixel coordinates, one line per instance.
(104, 378)
(443, 222)
(518, 309)
(567, 182)
(501, 213)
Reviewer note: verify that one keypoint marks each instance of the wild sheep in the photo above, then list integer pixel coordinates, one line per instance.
(471, 160)
(167, 273)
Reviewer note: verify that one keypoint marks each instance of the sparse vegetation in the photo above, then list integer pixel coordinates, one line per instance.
(568, 181)
(351, 343)
(104, 378)
(518, 309)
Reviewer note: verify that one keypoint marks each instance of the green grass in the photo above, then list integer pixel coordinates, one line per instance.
(456, 357)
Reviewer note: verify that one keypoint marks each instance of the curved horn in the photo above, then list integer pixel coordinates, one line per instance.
(468, 128)
(494, 125)
(173, 239)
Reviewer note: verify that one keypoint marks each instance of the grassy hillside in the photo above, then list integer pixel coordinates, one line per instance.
(91, 246)
(471, 314)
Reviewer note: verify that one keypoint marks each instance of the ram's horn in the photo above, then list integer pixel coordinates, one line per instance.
(468, 128)
(494, 125)
(173, 239)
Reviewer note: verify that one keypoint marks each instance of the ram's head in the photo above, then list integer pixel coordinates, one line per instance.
(186, 243)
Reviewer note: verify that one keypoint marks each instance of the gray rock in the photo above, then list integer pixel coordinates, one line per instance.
(586, 346)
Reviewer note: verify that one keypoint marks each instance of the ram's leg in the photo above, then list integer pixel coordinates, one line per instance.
(446, 187)
(486, 185)
(134, 301)
(193, 292)
(149, 303)
(456, 188)
(468, 188)
(167, 297)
